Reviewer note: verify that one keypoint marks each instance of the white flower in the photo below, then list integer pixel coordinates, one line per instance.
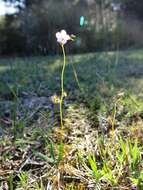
(62, 37)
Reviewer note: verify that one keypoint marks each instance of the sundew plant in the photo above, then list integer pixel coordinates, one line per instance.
(62, 39)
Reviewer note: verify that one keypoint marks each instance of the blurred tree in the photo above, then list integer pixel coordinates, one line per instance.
(32, 28)
(133, 21)
(133, 8)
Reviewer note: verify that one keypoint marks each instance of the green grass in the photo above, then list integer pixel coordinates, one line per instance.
(100, 146)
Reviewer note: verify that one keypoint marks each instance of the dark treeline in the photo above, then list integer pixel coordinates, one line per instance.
(108, 25)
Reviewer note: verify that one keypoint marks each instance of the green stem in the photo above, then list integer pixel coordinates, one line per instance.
(76, 77)
(62, 87)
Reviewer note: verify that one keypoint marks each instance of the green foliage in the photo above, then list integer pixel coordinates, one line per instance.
(60, 151)
(93, 164)
(10, 180)
(23, 177)
(109, 174)
(138, 181)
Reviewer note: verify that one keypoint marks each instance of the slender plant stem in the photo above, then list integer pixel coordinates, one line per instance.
(76, 77)
(62, 87)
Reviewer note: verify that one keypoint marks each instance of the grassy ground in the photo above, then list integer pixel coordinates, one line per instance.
(100, 146)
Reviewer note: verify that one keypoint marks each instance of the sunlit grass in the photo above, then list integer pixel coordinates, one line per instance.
(102, 133)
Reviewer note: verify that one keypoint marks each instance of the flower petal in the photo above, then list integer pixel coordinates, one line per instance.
(63, 33)
(58, 35)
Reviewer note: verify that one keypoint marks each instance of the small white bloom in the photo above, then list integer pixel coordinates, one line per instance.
(62, 37)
